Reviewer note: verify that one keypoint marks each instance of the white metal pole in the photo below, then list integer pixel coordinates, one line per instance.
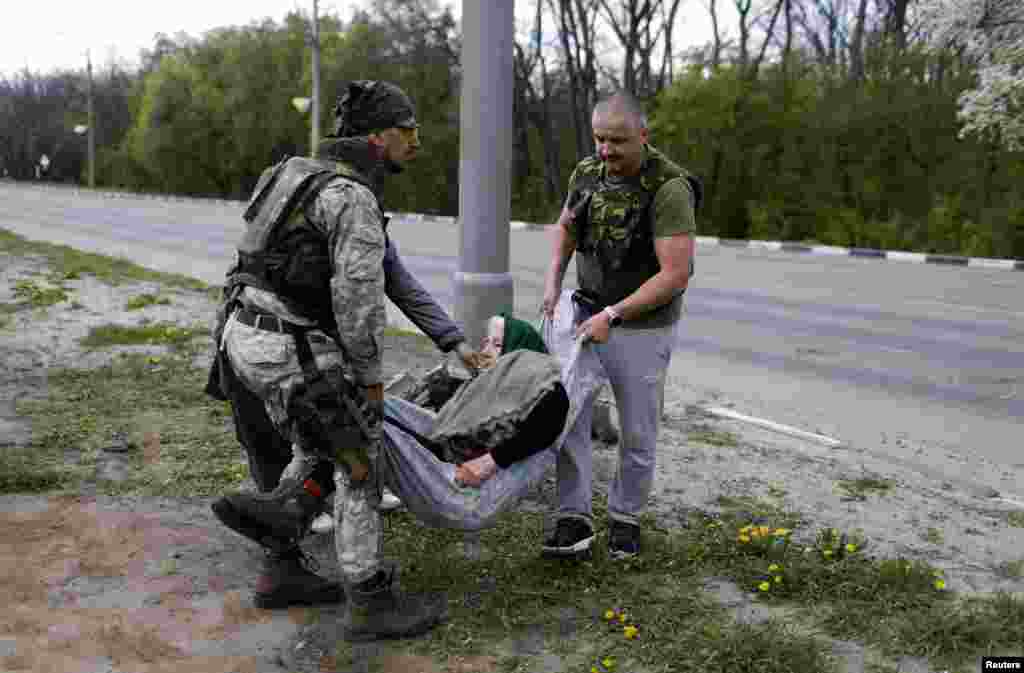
(483, 284)
(92, 126)
(314, 132)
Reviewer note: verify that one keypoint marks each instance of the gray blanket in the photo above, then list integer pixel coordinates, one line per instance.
(489, 409)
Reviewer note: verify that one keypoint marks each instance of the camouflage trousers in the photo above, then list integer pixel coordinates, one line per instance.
(358, 536)
(267, 364)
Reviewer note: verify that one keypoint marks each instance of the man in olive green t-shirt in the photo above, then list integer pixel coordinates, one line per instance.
(630, 216)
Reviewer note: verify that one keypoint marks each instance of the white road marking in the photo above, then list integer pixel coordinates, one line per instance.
(772, 425)
(1011, 501)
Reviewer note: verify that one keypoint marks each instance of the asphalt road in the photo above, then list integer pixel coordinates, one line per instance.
(907, 360)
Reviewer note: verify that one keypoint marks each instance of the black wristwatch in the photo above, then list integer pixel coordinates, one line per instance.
(615, 318)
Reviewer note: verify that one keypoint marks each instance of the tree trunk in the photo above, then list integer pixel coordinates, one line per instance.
(716, 55)
(857, 44)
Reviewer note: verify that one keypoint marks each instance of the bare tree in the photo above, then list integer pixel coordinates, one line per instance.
(716, 54)
(575, 21)
(667, 73)
(895, 13)
(639, 33)
(743, 9)
(857, 44)
(825, 29)
(536, 106)
(751, 72)
(787, 51)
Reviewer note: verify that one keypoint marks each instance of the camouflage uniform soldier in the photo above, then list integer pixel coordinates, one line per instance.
(630, 216)
(313, 269)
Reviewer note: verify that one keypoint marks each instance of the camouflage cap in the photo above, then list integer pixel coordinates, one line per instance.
(369, 105)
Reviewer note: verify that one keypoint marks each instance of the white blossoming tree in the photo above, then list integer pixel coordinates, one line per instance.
(991, 33)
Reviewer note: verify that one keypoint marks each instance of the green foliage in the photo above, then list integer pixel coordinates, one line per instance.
(214, 113)
(144, 300)
(29, 471)
(39, 296)
(945, 225)
(157, 333)
(73, 263)
(798, 151)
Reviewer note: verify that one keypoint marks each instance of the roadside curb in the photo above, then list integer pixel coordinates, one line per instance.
(786, 246)
(517, 225)
(894, 255)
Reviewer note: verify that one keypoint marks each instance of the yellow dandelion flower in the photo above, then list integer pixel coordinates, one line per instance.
(608, 663)
(609, 614)
(940, 584)
(851, 547)
(622, 618)
(764, 530)
(782, 531)
(764, 586)
(630, 632)
(743, 538)
(778, 580)
(745, 529)
(773, 567)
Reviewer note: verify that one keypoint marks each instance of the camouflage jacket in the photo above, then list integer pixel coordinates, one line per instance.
(327, 257)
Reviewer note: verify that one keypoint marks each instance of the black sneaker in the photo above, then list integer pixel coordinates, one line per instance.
(572, 538)
(623, 540)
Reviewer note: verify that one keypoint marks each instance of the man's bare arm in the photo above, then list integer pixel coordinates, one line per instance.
(674, 253)
(562, 246)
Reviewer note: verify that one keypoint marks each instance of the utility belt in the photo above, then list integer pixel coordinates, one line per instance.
(316, 383)
(329, 411)
(269, 322)
(587, 303)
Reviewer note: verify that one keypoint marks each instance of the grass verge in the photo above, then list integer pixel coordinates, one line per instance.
(179, 440)
(860, 489)
(152, 334)
(507, 604)
(706, 434)
(143, 300)
(647, 614)
(69, 263)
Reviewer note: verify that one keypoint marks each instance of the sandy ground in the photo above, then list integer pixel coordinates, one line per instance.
(156, 584)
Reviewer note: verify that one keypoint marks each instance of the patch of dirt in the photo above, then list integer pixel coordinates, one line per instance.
(977, 540)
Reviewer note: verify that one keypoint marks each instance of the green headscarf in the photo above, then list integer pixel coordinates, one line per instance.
(520, 334)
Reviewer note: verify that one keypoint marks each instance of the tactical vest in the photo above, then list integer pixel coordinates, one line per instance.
(615, 225)
(281, 251)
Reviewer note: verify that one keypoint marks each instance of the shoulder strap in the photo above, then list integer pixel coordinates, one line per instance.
(698, 191)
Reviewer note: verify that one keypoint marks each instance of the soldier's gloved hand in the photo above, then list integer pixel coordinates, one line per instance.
(357, 462)
(375, 392)
(473, 360)
(371, 404)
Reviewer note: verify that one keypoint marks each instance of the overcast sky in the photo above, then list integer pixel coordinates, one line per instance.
(44, 35)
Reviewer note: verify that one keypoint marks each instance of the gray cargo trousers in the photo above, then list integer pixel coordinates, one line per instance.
(636, 361)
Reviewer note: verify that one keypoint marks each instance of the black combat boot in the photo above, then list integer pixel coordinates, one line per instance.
(377, 610)
(288, 578)
(283, 514)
